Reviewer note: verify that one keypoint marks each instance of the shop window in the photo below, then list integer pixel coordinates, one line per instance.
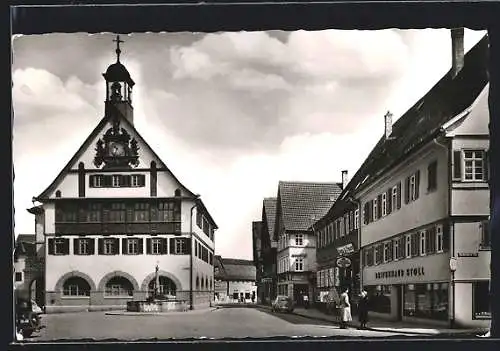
(426, 301)
(481, 300)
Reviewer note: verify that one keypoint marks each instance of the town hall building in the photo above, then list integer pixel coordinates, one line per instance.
(116, 214)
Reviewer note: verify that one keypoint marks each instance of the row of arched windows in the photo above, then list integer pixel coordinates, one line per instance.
(117, 286)
(204, 283)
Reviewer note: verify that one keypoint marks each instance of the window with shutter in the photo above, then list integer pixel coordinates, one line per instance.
(365, 213)
(417, 185)
(172, 246)
(446, 237)
(380, 204)
(407, 190)
(399, 196)
(432, 176)
(370, 212)
(164, 246)
(457, 165)
(388, 196)
(51, 246)
(115, 246)
(485, 235)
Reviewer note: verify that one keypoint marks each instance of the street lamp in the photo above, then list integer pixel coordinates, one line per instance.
(191, 252)
(453, 268)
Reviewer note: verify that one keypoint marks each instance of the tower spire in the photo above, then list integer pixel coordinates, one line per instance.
(118, 51)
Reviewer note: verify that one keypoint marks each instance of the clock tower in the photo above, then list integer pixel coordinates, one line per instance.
(119, 86)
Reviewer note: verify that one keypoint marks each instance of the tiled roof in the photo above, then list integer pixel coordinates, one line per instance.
(25, 245)
(302, 202)
(423, 122)
(270, 212)
(235, 269)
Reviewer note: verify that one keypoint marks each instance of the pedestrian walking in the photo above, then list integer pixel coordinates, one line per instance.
(363, 309)
(345, 309)
(305, 298)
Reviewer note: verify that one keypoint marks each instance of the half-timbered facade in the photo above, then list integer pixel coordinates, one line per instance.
(114, 213)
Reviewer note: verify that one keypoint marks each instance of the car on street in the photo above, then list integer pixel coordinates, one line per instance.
(283, 303)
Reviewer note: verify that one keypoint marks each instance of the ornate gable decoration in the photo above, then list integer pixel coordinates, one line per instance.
(116, 149)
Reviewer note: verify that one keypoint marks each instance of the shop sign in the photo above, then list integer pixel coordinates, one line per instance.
(409, 272)
(468, 254)
(343, 262)
(266, 280)
(482, 315)
(219, 284)
(346, 249)
(299, 255)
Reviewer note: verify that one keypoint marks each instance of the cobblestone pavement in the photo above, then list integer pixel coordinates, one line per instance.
(219, 323)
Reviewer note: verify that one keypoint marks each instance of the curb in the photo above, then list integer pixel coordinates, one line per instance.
(158, 314)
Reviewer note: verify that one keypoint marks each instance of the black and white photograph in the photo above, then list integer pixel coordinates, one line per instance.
(251, 184)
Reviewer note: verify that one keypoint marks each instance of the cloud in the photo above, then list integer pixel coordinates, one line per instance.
(231, 114)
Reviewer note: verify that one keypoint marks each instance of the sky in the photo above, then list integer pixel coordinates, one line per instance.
(237, 111)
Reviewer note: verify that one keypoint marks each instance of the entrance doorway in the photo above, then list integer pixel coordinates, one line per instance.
(299, 290)
(398, 291)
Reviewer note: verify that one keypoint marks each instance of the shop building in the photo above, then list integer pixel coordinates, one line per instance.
(337, 252)
(425, 203)
(115, 214)
(235, 281)
(299, 205)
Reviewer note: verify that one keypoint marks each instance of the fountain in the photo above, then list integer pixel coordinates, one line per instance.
(157, 302)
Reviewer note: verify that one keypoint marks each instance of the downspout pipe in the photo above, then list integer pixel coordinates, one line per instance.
(191, 252)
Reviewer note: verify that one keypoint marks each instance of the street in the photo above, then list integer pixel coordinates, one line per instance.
(218, 323)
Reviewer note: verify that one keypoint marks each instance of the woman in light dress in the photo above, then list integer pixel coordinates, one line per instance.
(345, 309)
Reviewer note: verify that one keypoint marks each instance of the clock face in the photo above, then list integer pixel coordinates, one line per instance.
(116, 149)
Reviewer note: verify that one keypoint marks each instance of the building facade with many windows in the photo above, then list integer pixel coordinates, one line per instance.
(115, 213)
(424, 197)
(268, 278)
(299, 205)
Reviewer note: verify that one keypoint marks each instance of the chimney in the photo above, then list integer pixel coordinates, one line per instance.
(388, 125)
(344, 179)
(457, 50)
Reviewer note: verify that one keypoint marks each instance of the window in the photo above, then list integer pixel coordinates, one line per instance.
(119, 286)
(401, 245)
(396, 253)
(375, 209)
(96, 181)
(135, 180)
(422, 243)
(299, 239)
(180, 246)
(481, 300)
(117, 212)
(439, 238)
(58, 246)
(76, 286)
(430, 240)
(388, 251)
(206, 225)
(384, 204)
(19, 276)
(171, 212)
(108, 246)
(394, 200)
(299, 264)
(83, 246)
(342, 227)
(141, 212)
(415, 247)
(474, 165)
(66, 213)
(94, 213)
(408, 246)
(412, 187)
(156, 246)
(432, 176)
(356, 219)
(485, 235)
(376, 254)
(132, 246)
(346, 224)
(198, 219)
(426, 300)
(116, 180)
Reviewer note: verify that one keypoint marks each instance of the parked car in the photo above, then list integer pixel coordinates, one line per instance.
(28, 317)
(283, 303)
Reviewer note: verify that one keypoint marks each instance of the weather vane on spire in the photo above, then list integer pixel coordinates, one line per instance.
(118, 51)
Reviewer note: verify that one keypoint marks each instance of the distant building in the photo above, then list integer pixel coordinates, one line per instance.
(234, 280)
(299, 205)
(28, 269)
(257, 257)
(268, 280)
(424, 196)
(114, 213)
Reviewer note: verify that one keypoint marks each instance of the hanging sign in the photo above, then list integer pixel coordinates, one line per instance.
(343, 262)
